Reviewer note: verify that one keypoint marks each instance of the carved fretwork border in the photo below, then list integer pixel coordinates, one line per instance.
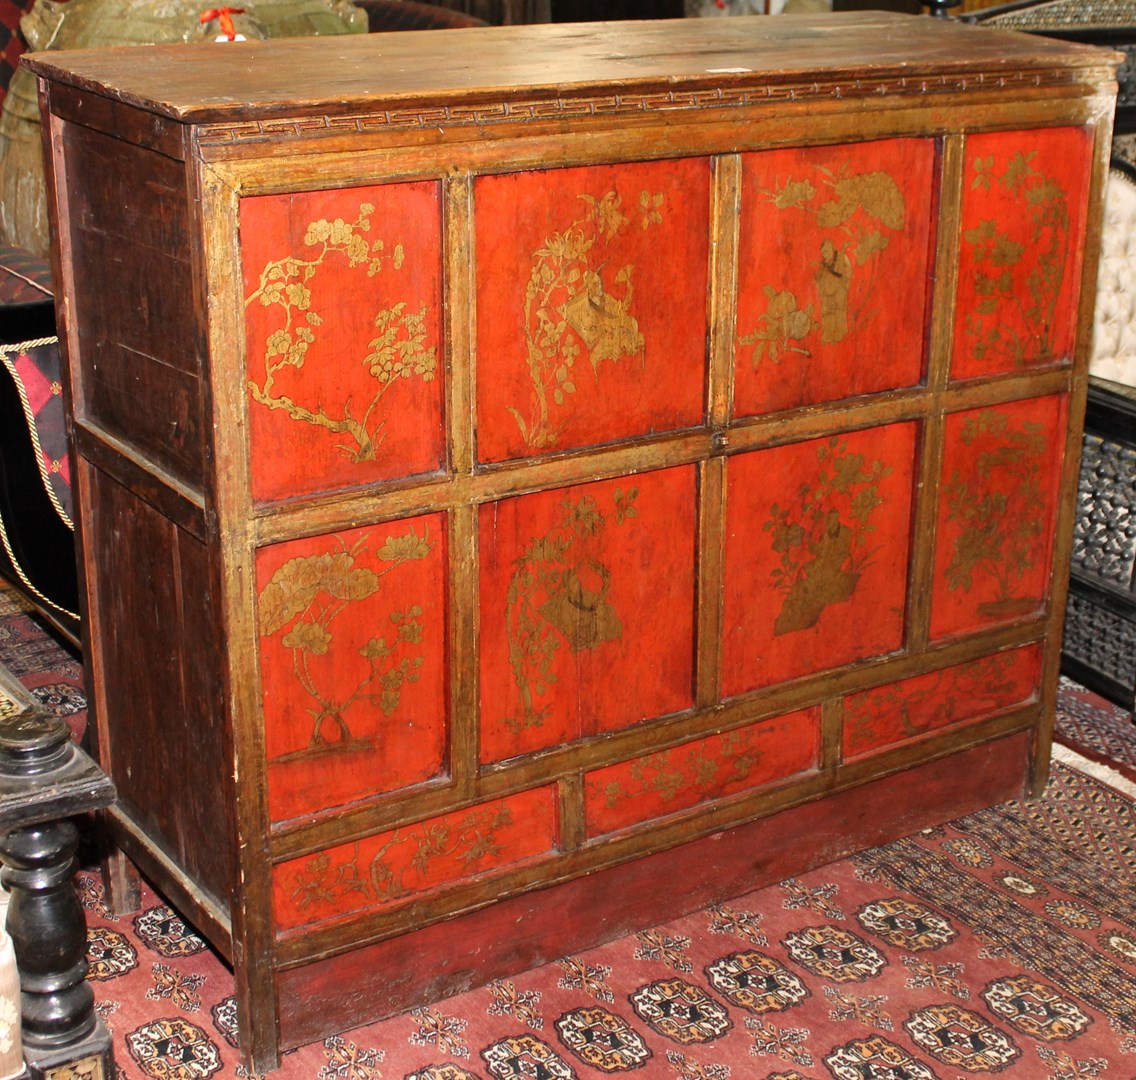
(631, 103)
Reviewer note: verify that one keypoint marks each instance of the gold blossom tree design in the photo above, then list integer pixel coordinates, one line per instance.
(1000, 507)
(411, 851)
(576, 301)
(857, 212)
(951, 694)
(671, 773)
(558, 594)
(398, 351)
(306, 595)
(823, 536)
(1013, 322)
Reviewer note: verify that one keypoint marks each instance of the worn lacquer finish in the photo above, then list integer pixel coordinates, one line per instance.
(820, 532)
(352, 657)
(997, 513)
(561, 476)
(343, 325)
(1023, 210)
(588, 605)
(591, 310)
(833, 272)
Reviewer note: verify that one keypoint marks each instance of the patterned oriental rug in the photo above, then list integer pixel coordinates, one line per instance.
(1003, 943)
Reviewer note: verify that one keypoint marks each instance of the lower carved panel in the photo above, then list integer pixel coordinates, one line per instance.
(905, 710)
(412, 860)
(673, 780)
(1102, 639)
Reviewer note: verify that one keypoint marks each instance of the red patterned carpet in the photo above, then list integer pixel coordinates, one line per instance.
(1003, 943)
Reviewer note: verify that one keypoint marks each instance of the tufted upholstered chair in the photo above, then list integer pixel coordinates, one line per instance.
(1114, 328)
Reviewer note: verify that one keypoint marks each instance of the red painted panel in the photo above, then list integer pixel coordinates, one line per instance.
(352, 660)
(587, 610)
(905, 710)
(676, 779)
(591, 304)
(997, 513)
(343, 336)
(1024, 200)
(817, 544)
(406, 863)
(833, 272)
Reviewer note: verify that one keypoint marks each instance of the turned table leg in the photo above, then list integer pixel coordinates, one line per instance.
(45, 780)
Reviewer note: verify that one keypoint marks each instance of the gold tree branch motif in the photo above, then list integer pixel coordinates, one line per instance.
(399, 351)
(671, 773)
(823, 537)
(306, 595)
(1003, 520)
(558, 594)
(408, 851)
(857, 213)
(997, 253)
(575, 302)
(981, 685)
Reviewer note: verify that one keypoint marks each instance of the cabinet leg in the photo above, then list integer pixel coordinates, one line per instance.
(122, 883)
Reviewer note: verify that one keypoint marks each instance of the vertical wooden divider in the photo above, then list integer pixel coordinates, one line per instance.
(253, 927)
(1070, 477)
(937, 377)
(462, 578)
(831, 732)
(725, 204)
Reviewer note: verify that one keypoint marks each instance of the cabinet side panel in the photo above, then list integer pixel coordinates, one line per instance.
(138, 340)
(162, 733)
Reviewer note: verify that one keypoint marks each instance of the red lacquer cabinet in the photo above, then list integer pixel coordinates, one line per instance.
(535, 482)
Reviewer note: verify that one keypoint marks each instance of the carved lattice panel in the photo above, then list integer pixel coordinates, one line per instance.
(1104, 535)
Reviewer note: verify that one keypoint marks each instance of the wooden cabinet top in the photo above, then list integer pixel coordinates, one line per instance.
(786, 57)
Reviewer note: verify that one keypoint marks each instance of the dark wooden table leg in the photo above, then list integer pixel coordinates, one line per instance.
(46, 780)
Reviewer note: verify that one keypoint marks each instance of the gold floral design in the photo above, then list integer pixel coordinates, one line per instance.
(944, 697)
(399, 350)
(576, 301)
(1013, 323)
(672, 773)
(307, 594)
(856, 213)
(469, 837)
(1000, 507)
(823, 536)
(559, 594)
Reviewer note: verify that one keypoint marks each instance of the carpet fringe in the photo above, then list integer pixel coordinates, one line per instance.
(1099, 771)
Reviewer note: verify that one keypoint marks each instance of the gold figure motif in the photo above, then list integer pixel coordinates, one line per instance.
(1004, 522)
(822, 537)
(559, 594)
(857, 211)
(400, 351)
(573, 299)
(310, 592)
(1013, 322)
